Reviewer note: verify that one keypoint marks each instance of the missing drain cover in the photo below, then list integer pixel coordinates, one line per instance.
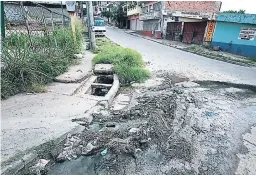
(99, 91)
(104, 79)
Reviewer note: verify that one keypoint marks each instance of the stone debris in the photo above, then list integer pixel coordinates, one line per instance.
(187, 84)
(134, 130)
(70, 148)
(78, 56)
(39, 168)
(104, 104)
(88, 149)
(120, 102)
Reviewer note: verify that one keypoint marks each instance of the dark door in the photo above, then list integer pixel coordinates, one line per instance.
(128, 24)
(173, 31)
(193, 32)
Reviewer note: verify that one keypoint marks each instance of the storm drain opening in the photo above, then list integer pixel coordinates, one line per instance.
(104, 79)
(100, 91)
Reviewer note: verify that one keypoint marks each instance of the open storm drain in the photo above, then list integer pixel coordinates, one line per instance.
(104, 80)
(101, 85)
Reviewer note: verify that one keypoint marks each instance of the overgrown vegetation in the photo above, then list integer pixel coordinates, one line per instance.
(128, 63)
(29, 62)
(234, 11)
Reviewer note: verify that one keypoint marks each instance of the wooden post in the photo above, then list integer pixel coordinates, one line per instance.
(73, 26)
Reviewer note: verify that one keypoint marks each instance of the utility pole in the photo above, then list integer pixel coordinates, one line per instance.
(91, 24)
(2, 21)
(82, 14)
(62, 13)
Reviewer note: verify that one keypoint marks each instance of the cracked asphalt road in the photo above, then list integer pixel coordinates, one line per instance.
(193, 66)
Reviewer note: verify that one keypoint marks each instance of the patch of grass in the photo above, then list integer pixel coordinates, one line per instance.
(31, 62)
(192, 48)
(253, 59)
(128, 63)
(221, 57)
(38, 88)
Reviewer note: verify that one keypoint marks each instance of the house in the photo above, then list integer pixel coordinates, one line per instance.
(133, 14)
(187, 21)
(184, 21)
(236, 33)
(151, 15)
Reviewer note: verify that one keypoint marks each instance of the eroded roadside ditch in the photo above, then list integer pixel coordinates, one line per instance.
(173, 127)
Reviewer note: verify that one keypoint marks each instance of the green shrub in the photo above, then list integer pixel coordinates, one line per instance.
(117, 55)
(128, 74)
(38, 88)
(128, 63)
(192, 48)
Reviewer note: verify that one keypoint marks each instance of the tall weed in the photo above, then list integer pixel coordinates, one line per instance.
(30, 62)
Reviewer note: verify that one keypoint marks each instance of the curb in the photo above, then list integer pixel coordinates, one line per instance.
(16, 167)
(79, 80)
(216, 58)
(211, 57)
(82, 84)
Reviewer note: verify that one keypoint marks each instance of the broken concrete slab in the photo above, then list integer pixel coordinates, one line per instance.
(103, 69)
(120, 102)
(79, 72)
(78, 56)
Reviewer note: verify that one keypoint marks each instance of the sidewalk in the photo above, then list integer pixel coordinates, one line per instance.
(175, 44)
(29, 120)
(199, 50)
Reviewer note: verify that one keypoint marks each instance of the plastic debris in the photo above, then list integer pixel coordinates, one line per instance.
(104, 152)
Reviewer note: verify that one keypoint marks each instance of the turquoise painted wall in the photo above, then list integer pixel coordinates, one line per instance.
(226, 36)
(226, 32)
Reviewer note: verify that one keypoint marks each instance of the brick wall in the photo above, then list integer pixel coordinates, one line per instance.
(193, 6)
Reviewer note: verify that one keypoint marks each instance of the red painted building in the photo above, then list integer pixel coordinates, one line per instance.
(187, 21)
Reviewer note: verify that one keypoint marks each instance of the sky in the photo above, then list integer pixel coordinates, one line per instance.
(248, 5)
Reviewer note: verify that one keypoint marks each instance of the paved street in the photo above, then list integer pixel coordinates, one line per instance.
(187, 64)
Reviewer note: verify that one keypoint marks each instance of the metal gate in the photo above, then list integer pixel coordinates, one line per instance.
(173, 31)
(133, 24)
(139, 24)
(193, 32)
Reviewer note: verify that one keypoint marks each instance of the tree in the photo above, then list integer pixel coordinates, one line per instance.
(234, 11)
(107, 14)
(118, 12)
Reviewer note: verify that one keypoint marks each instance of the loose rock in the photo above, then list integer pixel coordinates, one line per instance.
(134, 130)
(78, 56)
(88, 149)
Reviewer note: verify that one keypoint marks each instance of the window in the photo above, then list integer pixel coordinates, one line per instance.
(151, 8)
(145, 9)
(157, 6)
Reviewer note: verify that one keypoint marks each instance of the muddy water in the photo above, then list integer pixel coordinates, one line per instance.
(194, 130)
